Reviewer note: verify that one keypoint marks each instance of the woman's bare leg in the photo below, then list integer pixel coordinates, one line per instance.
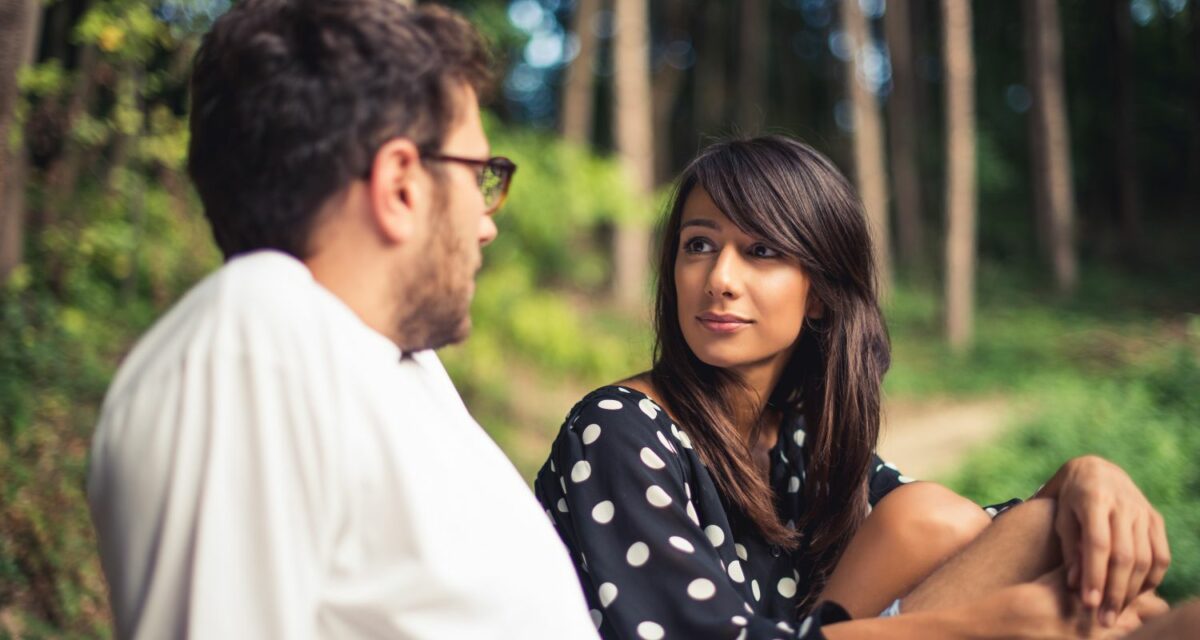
(911, 532)
(1018, 547)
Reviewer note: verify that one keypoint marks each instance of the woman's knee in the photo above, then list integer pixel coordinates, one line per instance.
(929, 514)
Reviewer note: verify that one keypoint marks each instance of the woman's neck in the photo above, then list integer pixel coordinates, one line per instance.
(756, 424)
(753, 418)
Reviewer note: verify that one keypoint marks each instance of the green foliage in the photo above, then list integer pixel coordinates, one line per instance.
(1145, 420)
(1100, 378)
(539, 314)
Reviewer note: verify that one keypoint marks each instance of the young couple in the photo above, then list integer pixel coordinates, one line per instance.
(282, 455)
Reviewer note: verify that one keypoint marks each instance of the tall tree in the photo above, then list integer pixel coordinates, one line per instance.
(869, 171)
(635, 148)
(1195, 110)
(1128, 190)
(19, 20)
(668, 80)
(580, 84)
(709, 86)
(961, 194)
(753, 34)
(902, 134)
(1050, 141)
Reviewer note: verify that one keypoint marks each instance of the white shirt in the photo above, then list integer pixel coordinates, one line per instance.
(267, 466)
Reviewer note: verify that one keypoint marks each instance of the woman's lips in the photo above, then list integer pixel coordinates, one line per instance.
(722, 323)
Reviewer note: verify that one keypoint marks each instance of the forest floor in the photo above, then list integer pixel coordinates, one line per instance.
(926, 438)
(930, 437)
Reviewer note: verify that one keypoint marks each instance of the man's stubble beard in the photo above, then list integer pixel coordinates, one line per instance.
(436, 294)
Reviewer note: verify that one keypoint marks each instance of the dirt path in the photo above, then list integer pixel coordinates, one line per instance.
(930, 438)
(925, 439)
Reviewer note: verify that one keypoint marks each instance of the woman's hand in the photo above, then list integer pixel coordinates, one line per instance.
(1114, 542)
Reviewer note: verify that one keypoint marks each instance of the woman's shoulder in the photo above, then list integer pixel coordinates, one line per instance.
(626, 415)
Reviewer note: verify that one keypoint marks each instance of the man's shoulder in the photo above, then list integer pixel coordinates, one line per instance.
(248, 306)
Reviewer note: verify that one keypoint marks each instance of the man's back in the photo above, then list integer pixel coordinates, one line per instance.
(266, 465)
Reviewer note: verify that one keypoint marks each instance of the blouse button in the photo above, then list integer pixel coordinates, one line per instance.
(776, 551)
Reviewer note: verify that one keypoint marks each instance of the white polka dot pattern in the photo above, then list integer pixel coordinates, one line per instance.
(674, 563)
(657, 497)
(787, 587)
(715, 535)
(648, 408)
(649, 630)
(701, 589)
(651, 459)
(735, 572)
(603, 512)
(607, 593)
(581, 471)
(638, 554)
(681, 544)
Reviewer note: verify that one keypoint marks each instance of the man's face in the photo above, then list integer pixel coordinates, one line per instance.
(438, 300)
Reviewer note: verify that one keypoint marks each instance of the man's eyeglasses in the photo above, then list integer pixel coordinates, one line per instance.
(493, 175)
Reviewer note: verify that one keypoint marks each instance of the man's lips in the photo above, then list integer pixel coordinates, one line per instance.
(723, 322)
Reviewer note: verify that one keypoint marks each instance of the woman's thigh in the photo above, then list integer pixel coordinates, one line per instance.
(909, 534)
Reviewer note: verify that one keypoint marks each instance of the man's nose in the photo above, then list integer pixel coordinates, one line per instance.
(487, 230)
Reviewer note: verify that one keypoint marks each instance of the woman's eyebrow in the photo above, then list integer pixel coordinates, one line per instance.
(700, 222)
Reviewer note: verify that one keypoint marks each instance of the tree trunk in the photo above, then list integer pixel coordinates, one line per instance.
(1195, 173)
(18, 22)
(1128, 191)
(1051, 141)
(961, 195)
(752, 66)
(710, 81)
(667, 81)
(869, 171)
(902, 133)
(635, 148)
(579, 92)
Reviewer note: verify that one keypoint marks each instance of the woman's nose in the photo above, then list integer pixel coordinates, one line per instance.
(723, 278)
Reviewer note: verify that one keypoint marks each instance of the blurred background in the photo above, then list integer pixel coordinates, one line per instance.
(1031, 171)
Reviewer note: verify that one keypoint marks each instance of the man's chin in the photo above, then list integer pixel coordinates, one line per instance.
(460, 334)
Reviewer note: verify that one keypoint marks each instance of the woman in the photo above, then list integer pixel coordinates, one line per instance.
(731, 487)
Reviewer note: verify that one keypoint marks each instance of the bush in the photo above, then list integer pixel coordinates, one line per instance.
(1147, 420)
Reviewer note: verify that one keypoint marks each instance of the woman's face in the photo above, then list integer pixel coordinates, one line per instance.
(741, 302)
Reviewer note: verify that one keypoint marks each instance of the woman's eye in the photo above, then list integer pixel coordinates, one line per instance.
(763, 251)
(696, 245)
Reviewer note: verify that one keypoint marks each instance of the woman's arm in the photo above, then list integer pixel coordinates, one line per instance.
(1039, 609)
(1114, 542)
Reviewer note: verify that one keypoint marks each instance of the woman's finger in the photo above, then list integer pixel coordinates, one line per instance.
(1066, 525)
(1161, 551)
(1120, 566)
(1143, 558)
(1095, 540)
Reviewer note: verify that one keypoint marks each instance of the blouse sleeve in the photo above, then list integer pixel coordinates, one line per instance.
(622, 503)
(885, 477)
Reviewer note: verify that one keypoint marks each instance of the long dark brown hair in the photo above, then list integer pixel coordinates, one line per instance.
(782, 190)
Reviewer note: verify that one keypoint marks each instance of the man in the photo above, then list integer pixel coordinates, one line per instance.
(283, 455)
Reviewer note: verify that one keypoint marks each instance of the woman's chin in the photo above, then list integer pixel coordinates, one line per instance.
(722, 359)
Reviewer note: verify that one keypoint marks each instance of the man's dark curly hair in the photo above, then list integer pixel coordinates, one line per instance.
(292, 98)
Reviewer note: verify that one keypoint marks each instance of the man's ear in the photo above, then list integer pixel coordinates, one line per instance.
(398, 189)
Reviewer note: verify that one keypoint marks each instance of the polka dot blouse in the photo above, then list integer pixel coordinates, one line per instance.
(658, 554)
